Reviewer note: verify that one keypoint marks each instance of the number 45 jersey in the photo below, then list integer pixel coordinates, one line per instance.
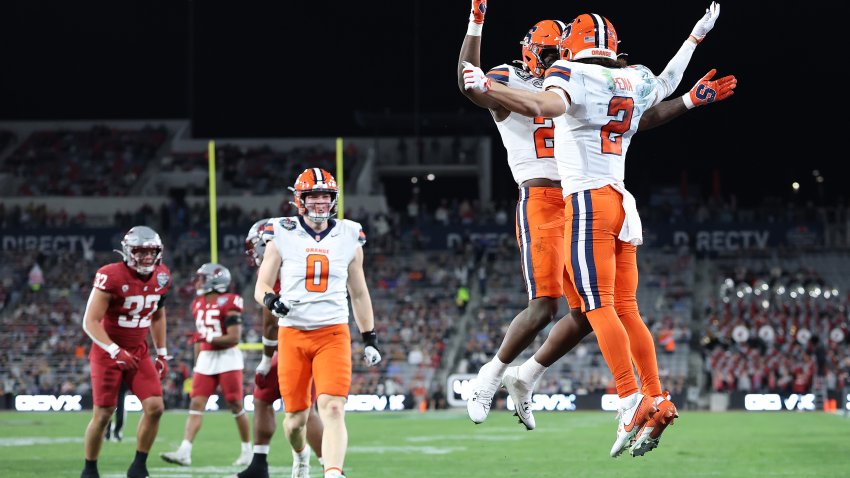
(133, 303)
(529, 142)
(314, 269)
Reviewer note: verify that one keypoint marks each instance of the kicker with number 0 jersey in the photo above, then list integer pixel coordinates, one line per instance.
(314, 269)
(211, 320)
(528, 141)
(603, 112)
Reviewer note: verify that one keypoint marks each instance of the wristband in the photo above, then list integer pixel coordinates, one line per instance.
(687, 99)
(269, 342)
(112, 349)
(163, 351)
(370, 338)
(474, 29)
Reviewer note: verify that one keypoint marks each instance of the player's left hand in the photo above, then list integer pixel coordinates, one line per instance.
(263, 369)
(479, 9)
(196, 337)
(706, 23)
(708, 91)
(371, 356)
(161, 365)
(474, 78)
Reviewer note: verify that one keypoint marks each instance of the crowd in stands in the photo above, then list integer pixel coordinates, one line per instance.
(99, 161)
(774, 332)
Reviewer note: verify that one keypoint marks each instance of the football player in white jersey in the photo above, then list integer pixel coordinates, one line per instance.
(597, 103)
(529, 142)
(319, 262)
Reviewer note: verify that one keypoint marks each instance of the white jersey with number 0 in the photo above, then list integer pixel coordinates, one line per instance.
(603, 113)
(528, 141)
(314, 269)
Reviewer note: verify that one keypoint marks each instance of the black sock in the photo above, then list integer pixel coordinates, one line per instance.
(91, 465)
(141, 458)
(260, 458)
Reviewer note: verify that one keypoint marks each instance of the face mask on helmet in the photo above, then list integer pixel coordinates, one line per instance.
(540, 46)
(141, 249)
(319, 184)
(212, 277)
(589, 35)
(255, 247)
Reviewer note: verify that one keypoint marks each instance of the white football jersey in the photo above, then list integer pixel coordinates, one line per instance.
(605, 108)
(314, 269)
(529, 142)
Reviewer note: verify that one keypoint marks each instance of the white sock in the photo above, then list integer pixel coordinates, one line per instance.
(494, 369)
(246, 446)
(261, 449)
(629, 401)
(322, 462)
(303, 455)
(530, 372)
(185, 447)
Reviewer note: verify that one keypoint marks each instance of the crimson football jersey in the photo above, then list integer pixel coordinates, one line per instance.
(133, 303)
(211, 317)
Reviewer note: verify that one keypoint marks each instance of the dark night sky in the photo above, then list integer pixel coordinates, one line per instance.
(304, 68)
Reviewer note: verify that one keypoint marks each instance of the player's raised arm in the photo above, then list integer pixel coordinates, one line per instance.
(704, 92)
(670, 78)
(470, 52)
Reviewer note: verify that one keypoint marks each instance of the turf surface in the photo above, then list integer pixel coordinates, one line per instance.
(447, 444)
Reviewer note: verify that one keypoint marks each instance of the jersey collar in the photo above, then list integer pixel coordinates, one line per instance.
(318, 236)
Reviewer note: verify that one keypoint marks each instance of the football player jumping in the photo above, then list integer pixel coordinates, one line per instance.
(319, 263)
(602, 224)
(127, 300)
(218, 360)
(540, 217)
(267, 390)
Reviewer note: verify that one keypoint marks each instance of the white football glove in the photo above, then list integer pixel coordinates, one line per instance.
(371, 356)
(265, 365)
(706, 23)
(474, 79)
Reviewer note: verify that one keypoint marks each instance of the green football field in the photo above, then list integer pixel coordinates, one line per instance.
(447, 444)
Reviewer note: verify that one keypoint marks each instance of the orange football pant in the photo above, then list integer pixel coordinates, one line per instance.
(603, 270)
(323, 355)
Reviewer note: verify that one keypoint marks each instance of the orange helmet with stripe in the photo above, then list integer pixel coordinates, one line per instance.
(543, 38)
(312, 181)
(589, 35)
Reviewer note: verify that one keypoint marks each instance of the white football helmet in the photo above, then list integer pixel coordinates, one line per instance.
(212, 277)
(136, 242)
(255, 247)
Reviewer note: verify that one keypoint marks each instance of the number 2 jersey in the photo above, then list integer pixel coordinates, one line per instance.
(314, 269)
(528, 141)
(605, 108)
(211, 320)
(133, 303)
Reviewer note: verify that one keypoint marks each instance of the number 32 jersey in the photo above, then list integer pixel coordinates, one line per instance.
(529, 142)
(314, 269)
(133, 303)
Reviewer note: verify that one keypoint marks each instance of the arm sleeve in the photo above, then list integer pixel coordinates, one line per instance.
(670, 78)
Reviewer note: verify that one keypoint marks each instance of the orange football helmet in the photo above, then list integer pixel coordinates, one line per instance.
(315, 180)
(589, 35)
(544, 35)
